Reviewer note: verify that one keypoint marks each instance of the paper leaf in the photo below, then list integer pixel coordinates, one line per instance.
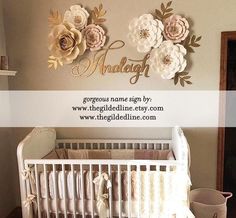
(187, 77)
(169, 10)
(167, 15)
(97, 15)
(163, 7)
(182, 82)
(183, 73)
(53, 62)
(55, 18)
(189, 82)
(198, 38)
(176, 79)
(169, 4)
(191, 50)
(159, 14)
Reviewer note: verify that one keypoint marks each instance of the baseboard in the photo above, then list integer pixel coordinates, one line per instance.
(16, 213)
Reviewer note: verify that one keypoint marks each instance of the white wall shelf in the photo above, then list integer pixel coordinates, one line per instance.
(7, 73)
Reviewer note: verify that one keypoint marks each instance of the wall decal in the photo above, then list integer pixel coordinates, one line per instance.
(166, 37)
(73, 34)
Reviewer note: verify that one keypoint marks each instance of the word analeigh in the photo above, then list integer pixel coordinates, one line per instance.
(88, 66)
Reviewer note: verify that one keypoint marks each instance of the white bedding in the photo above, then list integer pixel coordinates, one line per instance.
(164, 192)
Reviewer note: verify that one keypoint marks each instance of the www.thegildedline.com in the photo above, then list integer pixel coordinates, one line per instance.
(117, 116)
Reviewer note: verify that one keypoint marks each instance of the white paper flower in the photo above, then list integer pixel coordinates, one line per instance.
(77, 15)
(145, 33)
(168, 59)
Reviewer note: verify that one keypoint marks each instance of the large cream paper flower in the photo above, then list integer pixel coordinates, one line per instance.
(66, 43)
(145, 32)
(176, 28)
(78, 16)
(95, 37)
(168, 59)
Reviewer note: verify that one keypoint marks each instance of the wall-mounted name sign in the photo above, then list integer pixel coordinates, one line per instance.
(87, 66)
(164, 39)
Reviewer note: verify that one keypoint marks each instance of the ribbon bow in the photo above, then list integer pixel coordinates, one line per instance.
(102, 198)
(27, 174)
(30, 200)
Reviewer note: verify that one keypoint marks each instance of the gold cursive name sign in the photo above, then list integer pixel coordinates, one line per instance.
(88, 66)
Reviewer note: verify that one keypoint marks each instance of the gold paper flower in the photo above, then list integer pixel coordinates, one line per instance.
(78, 16)
(66, 43)
(95, 37)
(176, 28)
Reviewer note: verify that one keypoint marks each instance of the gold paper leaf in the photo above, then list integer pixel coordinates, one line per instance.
(191, 50)
(182, 78)
(97, 15)
(163, 7)
(195, 44)
(182, 82)
(53, 62)
(54, 18)
(187, 40)
(198, 38)
(159, 14)
(96, 11)
(187, 77)
(176, 79)
(169, 4)
(183, 73)
(169, 10)
(167, 15)
(193, 39)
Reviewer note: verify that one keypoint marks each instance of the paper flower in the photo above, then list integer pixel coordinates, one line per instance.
(168, 59)
(95, 37)
(66, 43)
(77, 15)
(145, 32)
(176, 28)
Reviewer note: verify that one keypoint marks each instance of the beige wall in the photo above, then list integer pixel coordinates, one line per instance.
(7, 196)
(27, 30)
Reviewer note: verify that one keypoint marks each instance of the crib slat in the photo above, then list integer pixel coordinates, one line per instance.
(119, 192)
(167, 184)
(157, 191)
(55, 189)
(139, 191)
(64, 190)
(91, 190)
(82, 189)
(110, 193)
(73, 190)
(148, 190)
(37, 190)
(129, 192)
(46, 188)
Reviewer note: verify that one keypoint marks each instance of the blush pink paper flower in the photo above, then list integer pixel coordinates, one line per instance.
(95, 37)
(176, 28)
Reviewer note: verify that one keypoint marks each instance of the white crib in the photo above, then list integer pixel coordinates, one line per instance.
(160, 189)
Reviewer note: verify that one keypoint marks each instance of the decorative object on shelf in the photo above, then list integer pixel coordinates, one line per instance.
(4, 63)
(168, 53)
(73, 34)
(7, 73)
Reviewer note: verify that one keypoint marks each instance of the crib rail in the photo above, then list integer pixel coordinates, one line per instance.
(70, 205)
(113, 144)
